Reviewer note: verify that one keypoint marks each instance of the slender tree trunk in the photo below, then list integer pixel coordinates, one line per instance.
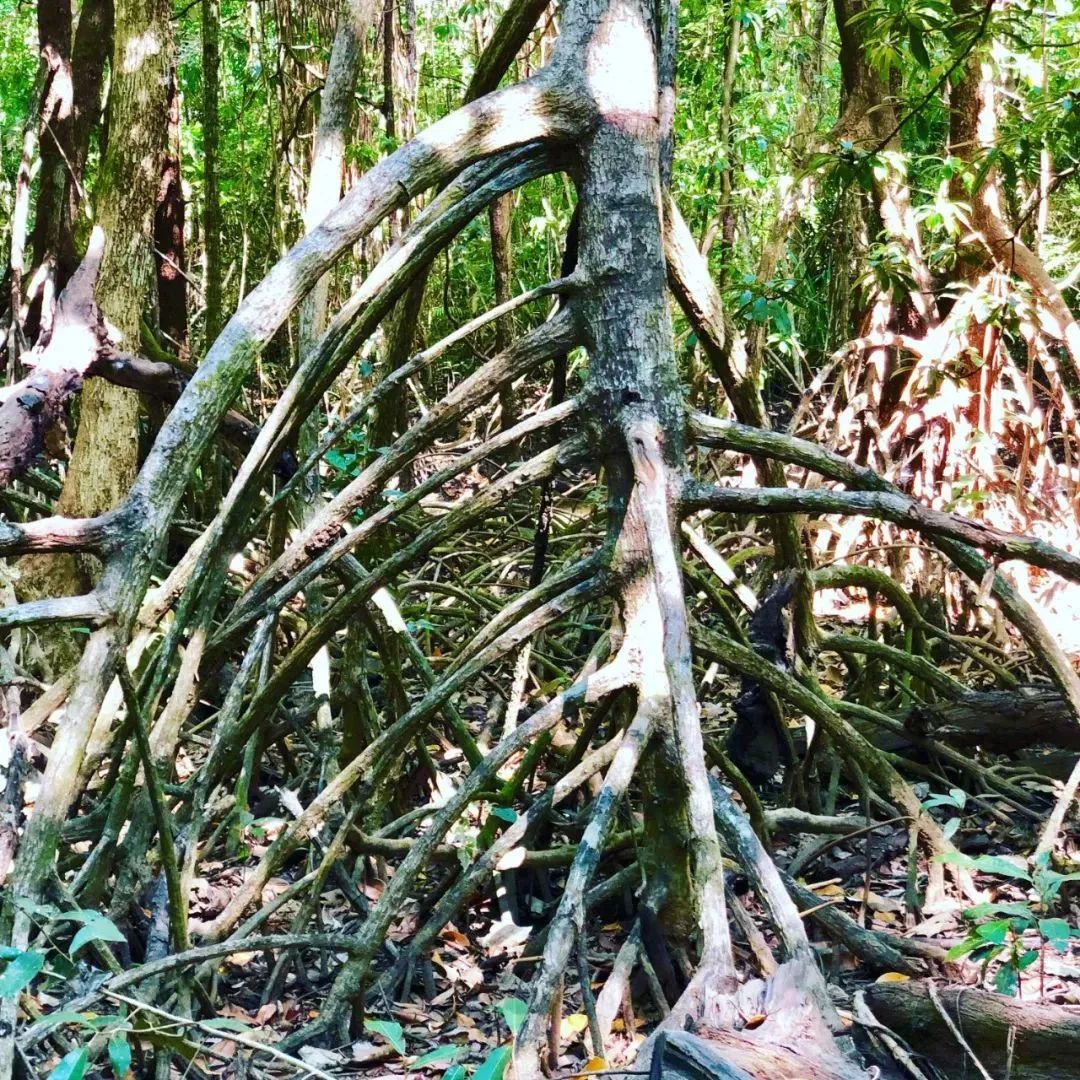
(502, 263)
(55, 41)
(169, 236)
(105, 456)
(211, 218)
(324, 191)
(70, 109)
(870, 118)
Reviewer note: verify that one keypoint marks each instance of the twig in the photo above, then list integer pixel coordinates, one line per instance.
(943, 1013)
(169, 861)
(234, 1036)
(588, 1001)
(867, 1020)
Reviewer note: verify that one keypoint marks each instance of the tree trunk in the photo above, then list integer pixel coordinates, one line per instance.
(55, 41)
(105, 456)
(70, 109)
(169, 236)
(211, 216)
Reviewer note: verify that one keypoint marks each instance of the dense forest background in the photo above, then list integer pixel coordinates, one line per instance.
(539, 538)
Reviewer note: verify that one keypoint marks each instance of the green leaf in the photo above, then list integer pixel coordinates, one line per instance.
(1027, 959)
(1007, 980)
(71, 1067)
(19, 972)
(504, 813)
(390, 1030)
(84, 916)
(918, 46)
(956, 858)
(995, 864)
(43, 911)
(456, 1073)
(962, 948)
(68, 1016)
(1016, 910)
(440, 1053)
(226, 1023)
(950, 827)
(994, 932)
(1057, 932)
(494, 1065)
(120, 1056)
(99, 928)
(513, 1011)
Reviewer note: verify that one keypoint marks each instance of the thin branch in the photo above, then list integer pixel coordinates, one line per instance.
(62, 609)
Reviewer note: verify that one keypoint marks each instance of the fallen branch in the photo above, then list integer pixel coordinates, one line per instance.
(1020, 1039)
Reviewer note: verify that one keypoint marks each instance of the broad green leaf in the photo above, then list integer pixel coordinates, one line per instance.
(504, 813)
(1027, 959)
(494, 1065)
(67, 1016)
(390, 1030)
(995, 864)
(97, 929)
(226, 1023)
(962, 948)
(956, 858)
(1016, 910)
(1007, 981)
(85, 916)
(120, 1056)
(994, 932)
(1057, 932)
(950, 827)
(440, 1053)
(918, 46)
(71, 1067)
(42, 911)
(457, 1072)
(19, 972)
(513, 1011)
(937, 800)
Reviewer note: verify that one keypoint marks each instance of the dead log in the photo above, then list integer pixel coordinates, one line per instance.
(1002, 720)
(1019, 1039)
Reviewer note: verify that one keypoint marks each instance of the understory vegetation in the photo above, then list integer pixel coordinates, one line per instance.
(539, 539)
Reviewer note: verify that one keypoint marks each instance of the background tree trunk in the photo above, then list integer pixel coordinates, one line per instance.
(105, 456)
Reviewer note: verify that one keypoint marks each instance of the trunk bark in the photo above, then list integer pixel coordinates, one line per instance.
(55, 41)
(169, 236)
(105, 456)
(211, 218)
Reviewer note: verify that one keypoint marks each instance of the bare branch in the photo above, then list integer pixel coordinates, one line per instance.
(100, 534)
(80, 609)
(890, 506)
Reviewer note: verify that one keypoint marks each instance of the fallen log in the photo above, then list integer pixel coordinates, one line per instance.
(999, 719)
(1023, 1040)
